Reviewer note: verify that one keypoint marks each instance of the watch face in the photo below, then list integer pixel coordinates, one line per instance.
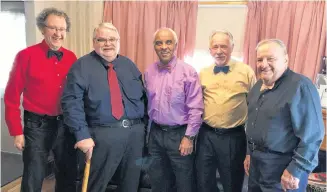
(190, 137)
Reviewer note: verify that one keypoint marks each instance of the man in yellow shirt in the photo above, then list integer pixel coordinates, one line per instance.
(222, 141)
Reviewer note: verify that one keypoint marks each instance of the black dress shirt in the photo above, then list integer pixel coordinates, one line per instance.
(86, 98)
(287, 119)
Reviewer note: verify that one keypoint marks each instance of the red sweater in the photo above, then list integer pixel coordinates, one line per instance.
(40, 79)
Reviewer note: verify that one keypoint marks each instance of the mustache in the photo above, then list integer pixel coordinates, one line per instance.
(110, 47)
(219, 55)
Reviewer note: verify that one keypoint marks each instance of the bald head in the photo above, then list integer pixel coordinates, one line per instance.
(165, 42)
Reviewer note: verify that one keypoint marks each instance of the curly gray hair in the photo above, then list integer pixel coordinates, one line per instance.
(41, 18)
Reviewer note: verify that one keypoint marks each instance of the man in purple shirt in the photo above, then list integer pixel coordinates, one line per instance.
(175, 107)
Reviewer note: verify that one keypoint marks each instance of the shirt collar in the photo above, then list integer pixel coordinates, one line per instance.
(280, 79)
(46, 47)
(104, 62)
(231, 63)
(172, 63)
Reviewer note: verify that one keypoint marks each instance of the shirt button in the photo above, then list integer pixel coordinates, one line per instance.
(56, 63)
(263, 95)
(256, 109)
(60, 86)
(58, 75)
(252, 123)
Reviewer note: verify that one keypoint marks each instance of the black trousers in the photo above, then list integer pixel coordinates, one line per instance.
(42, 134)
(266, 170)
(169, 171)
(117, 149)
(225, 151)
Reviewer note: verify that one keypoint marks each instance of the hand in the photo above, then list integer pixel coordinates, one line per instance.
(247, 164)
(19, 142)
(86, 145)
(186, 146)
(288, 181)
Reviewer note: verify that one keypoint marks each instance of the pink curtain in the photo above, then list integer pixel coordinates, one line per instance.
(301, 25)
(137, 21)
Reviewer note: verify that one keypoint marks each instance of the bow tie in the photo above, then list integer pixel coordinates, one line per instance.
(58, 54)
(164, 67)
(218, 69)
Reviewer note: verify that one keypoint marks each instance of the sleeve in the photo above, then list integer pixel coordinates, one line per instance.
(145, 100)
(194, 103)
(308, 127)
(252, 79)
(72, 103)
(247, 148)
(13, 91)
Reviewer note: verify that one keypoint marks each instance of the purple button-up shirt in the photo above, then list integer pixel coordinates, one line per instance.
(175, 97)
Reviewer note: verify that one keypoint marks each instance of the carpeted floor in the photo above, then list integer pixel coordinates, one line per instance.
(11, 167)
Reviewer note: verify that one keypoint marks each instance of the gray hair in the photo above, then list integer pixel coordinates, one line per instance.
(105, 25)
(165, 28)
(43, 15)
(279, 42)
(220, 31)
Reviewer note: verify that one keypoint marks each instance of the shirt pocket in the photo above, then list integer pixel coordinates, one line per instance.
(133, 88)
(177, 93)
(38, 72)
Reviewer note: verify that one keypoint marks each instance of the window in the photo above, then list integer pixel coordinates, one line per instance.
(13, 40)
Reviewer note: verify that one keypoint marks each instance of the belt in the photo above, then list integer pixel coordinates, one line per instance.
(264, 149)
(168, 127)
(37, 117)
(125, 123)
(222, 131)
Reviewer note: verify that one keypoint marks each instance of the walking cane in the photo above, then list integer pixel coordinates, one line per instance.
(86, 175)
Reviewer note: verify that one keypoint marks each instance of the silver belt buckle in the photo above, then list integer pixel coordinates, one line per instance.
(125, 123)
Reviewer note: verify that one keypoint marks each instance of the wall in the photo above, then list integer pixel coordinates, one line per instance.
(214, 17)
(84, 15)
(229, 17)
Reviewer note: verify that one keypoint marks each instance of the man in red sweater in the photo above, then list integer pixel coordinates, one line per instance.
(39, 73)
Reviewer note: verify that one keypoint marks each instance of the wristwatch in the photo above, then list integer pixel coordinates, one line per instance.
(191, 138)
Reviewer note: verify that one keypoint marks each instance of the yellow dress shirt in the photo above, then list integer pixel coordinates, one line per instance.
(224, 95)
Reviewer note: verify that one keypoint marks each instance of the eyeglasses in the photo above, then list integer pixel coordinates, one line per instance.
(56, 29)
(103, 40)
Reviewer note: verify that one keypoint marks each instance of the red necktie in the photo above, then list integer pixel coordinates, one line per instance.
(115, 97)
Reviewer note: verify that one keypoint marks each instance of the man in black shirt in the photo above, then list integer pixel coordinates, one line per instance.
(103, 106)
(284, 127)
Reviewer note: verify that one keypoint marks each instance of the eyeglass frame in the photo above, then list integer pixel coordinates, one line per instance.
(56, 29)
(110, 40)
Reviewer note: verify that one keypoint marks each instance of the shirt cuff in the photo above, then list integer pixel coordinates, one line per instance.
(81, 134)
(16, 132)
(191, 131)
(295, 170)
(247, 149)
